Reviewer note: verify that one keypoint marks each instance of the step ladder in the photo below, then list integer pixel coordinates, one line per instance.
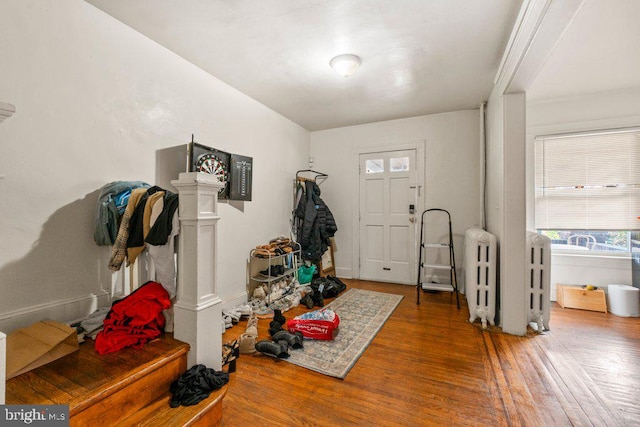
(450, 265)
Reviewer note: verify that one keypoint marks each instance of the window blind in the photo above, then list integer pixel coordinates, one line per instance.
(588, 181)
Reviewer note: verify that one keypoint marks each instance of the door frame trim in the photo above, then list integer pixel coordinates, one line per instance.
(417, 144)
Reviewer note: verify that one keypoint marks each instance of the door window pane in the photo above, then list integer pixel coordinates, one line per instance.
(375, 166)
(399, 164)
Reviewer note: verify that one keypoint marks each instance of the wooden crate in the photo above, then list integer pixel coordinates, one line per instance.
(571, 296)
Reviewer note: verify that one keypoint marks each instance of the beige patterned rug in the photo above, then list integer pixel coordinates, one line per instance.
(362, 314)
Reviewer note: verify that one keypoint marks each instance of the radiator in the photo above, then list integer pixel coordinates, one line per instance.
(480, 275)
(129, 278)
(538, 287)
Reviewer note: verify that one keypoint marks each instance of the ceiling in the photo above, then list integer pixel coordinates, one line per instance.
(418, 57)
(598, 52)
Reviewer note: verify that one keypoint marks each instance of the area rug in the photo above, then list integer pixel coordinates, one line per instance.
(362, 314)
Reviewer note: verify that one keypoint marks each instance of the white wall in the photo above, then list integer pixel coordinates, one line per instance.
(583, 270)
(451, 170)
(96, 101)
(605, 110)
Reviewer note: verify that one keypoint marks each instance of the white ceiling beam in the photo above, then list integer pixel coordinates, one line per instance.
(538, 28)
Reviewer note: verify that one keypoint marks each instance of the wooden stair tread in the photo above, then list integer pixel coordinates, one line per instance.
(93, 384)
(206, 413)
(84, 375)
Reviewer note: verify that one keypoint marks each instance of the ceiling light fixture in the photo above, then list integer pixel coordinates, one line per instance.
(346, 65)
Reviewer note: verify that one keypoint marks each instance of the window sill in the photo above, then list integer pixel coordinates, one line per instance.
(585, 254)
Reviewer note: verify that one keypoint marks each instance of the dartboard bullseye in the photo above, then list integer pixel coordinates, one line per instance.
(210, 163)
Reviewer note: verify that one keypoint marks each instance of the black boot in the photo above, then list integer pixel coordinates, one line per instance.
(294, 340)
(274, 327)
(276, 349)
(307, 301)
(278, 317)
(318, 299)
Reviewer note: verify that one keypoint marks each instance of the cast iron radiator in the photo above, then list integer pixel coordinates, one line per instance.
(538, 287)
(480, 275)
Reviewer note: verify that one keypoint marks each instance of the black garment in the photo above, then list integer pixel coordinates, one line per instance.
(315, 223)
(135, 238)
(329, 287)
(136, 228)
(195, 385)
(159, 233)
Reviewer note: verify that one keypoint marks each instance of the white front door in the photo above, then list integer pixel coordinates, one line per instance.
(388, 192)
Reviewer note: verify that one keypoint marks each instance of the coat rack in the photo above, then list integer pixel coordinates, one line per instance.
(326, 265)
(318, 177)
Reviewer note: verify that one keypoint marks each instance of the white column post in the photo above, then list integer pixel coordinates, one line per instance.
(197, 311)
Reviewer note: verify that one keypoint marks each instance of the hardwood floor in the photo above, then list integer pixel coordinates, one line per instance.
(429, 366)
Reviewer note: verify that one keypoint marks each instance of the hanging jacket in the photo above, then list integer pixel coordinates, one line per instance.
(107, 216)
(119, 249)
(316, 224)
(138, 231)
(161, 228)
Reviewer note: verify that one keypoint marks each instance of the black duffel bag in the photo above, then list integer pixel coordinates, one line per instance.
(329, 286)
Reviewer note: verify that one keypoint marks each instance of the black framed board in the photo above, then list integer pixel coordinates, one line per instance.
(233, 170)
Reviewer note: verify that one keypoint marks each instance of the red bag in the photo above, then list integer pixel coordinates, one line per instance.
(314, 328)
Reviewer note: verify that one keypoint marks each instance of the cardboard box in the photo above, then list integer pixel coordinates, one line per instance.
(37, 345)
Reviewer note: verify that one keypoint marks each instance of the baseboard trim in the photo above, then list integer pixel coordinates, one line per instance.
(65, 310)
(235, 301)
(345, 273)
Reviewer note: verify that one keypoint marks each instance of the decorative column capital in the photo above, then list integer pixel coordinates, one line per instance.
(196, 178)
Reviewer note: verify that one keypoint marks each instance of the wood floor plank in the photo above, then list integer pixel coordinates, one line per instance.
(427, 366)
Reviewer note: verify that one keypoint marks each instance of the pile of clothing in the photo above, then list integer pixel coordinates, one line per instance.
(133, 216)
(195, 385)
(135, 320)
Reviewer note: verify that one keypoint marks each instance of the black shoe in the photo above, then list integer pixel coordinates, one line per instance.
(278, 317)
(294, 340)
(276, 349)
(318, 299)
(307, 301)
(273, 271)
(275, 327)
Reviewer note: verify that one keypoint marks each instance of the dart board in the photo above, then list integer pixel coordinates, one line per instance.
(209, 160)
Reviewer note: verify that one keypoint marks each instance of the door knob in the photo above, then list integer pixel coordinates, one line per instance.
(412, 219)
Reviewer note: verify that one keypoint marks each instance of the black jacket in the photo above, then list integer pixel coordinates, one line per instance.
(315, 224)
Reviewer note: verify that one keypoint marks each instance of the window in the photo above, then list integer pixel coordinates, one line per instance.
(374, 166)
(399, 164)
(587, 190)
(594, 240)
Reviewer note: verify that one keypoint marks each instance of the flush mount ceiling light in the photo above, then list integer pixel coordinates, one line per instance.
(345, 65)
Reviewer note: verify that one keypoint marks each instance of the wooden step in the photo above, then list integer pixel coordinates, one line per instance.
(206, 413)
(103, 390)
